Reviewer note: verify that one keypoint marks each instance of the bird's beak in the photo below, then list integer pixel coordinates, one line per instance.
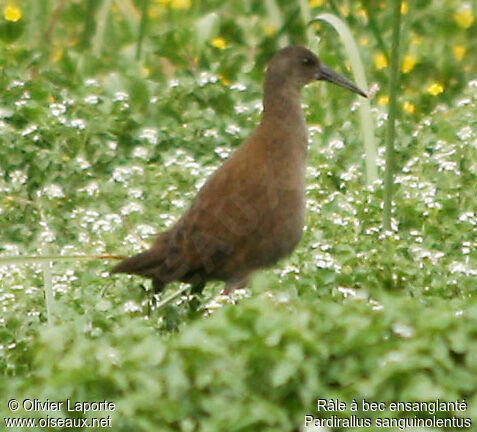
(327, 74)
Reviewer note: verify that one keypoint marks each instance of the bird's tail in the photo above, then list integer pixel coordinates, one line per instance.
(146, 262)
(140, 264)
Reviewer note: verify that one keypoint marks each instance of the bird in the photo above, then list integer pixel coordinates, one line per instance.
(250, 213)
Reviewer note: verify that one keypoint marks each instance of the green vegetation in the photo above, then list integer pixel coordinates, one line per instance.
(100, 150)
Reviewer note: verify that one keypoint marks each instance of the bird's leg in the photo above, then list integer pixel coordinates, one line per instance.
(157, 285)
(197, 288)
(235, 283)
(152, 299)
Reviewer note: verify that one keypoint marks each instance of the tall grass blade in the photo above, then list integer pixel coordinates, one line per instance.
(391, 128)
(367, 125)
(103, 16)
(205, 27)
(142, 27)
(33, 25)
(129, 12)
(51, 258)
(172, 296)
(48, 283)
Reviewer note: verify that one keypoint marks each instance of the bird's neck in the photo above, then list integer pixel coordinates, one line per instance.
(282, 105)
(283, 129)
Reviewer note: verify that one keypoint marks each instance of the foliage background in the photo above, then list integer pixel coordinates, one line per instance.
(103, 145)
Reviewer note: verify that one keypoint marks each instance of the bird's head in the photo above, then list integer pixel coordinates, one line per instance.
(298, 66)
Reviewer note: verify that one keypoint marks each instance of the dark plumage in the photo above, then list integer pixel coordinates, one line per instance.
(250, 213)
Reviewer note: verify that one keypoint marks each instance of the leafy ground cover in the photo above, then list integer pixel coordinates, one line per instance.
(99, 152)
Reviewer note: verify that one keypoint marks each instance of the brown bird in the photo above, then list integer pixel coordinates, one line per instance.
(250, 213)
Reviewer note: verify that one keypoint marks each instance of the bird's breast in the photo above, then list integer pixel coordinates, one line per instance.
(285, 194)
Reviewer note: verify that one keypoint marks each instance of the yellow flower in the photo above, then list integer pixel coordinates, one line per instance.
(416, 40)
(181, 4)
(364, 41)
(73, 41)
(459, 51)
(315, 3)
(224, 80)
(146, 71)
(316, 25)
(57, 54)
(362, 13)
(152, 13)
(380, 61)
(344, 10)
(219, 43)
(404, 8)
(383, 100)
(269, 30)
(408, 63)
(12, 13)
(409, 107)
(464, 17)
(435, 88)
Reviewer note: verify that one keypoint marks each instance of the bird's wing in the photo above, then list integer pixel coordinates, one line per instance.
(221, 224)
(227, 228)
(225, 213)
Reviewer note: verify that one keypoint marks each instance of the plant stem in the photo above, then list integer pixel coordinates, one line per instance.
(101, 24)
(373, 25)
(171, 297)
(129, 12)
(14, 260)
(391, 127)
(48, 283)
(89, 23)
(142, 28)
(56, 15)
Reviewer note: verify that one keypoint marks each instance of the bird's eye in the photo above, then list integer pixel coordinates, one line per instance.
(306, 61)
